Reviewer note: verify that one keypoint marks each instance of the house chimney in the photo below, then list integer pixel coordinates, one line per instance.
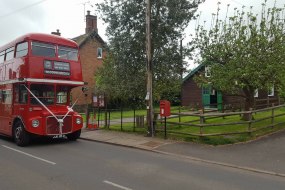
(91, 23)
(56, 33)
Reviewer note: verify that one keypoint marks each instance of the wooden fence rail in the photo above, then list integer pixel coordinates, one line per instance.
(202, 121)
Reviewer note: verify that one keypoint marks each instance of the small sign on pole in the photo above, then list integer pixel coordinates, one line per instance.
(98, 101)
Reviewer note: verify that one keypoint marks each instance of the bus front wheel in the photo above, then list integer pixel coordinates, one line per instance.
(74, 136)
(21, 136)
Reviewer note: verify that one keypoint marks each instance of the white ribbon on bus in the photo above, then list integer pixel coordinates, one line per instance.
(60, 121)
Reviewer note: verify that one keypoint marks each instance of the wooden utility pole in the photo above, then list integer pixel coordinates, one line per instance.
(149, 70)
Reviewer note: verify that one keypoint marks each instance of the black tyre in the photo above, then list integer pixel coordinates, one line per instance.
(21, 136)
(74, 136)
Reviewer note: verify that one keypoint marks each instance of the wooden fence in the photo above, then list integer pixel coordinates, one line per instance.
(202, 121)
(239, 105)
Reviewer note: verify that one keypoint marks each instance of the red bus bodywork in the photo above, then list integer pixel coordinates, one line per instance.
(43, 66)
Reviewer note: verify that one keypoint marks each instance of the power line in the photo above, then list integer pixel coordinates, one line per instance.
(22, 9)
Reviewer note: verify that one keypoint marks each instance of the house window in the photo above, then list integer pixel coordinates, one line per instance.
(207, 71)
(271, 91)
(256, 93)
(206, 90)
(99, 53)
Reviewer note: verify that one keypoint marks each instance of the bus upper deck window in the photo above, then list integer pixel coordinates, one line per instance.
(67, 53)
(43, 49)
(2, 55)
(22, 49)
(9, 53)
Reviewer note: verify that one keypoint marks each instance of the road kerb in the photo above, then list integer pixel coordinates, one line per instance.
(193, 158)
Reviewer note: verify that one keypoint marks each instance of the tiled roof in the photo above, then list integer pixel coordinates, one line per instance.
(193, 72)
(82, 39)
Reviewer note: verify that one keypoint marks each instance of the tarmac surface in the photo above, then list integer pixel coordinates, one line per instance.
(264, 155)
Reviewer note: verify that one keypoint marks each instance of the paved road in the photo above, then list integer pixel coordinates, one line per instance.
(91, 165)
(267, 153)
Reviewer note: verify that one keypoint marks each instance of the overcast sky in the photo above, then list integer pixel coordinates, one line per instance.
(18, 17)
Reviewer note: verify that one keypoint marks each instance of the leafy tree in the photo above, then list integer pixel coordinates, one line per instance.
(245, 52)
(123, 74)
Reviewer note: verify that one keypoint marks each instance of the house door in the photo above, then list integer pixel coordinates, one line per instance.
(212, 98)
(220, 101)
(206, 96)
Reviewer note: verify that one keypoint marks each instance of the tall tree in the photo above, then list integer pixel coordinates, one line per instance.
(245, 52)
(127, 57)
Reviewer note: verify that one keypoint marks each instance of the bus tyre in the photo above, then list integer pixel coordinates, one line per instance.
(74, 136)
(21, 136)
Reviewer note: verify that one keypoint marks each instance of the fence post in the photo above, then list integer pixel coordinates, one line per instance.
(179, 116)
(87, 117)
(109, 118)
(267, 101)
(134, 120)
(106, 118)
(250, 121)
(98, 116)
(165, 133)
(240, 107)
(121, 118)
(223, 110)
(272, 116)
(202, 120)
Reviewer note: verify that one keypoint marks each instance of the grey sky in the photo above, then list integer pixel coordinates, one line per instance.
(18, 17)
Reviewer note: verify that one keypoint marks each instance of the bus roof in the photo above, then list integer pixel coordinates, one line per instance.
(49, 38)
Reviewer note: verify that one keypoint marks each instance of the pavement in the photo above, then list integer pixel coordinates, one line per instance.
(265, 155)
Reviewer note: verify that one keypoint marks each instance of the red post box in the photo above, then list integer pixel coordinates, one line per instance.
(164, 108)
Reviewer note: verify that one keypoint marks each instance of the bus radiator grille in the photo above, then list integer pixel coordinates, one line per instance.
(53, 126)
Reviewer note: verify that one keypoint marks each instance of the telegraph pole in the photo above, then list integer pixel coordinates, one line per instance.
(149, 70)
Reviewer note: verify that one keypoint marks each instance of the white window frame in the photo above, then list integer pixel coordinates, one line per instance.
(207, 71)
(99, 55)
(271, 91)
(256, 93)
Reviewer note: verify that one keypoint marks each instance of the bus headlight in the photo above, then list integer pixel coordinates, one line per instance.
(78, 121)
(35, 123)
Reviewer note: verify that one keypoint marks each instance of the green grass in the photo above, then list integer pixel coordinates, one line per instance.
(225, 139)
(184, 131)
(117, 114)
(126, 127)
(126, 114)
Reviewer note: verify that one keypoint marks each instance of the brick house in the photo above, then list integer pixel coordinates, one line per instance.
(199, 97)
(92, 52)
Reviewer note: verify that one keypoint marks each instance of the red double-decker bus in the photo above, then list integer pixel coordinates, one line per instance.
(37, 73)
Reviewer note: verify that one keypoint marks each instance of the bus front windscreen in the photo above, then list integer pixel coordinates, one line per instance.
(45, 93)
(49, 94)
